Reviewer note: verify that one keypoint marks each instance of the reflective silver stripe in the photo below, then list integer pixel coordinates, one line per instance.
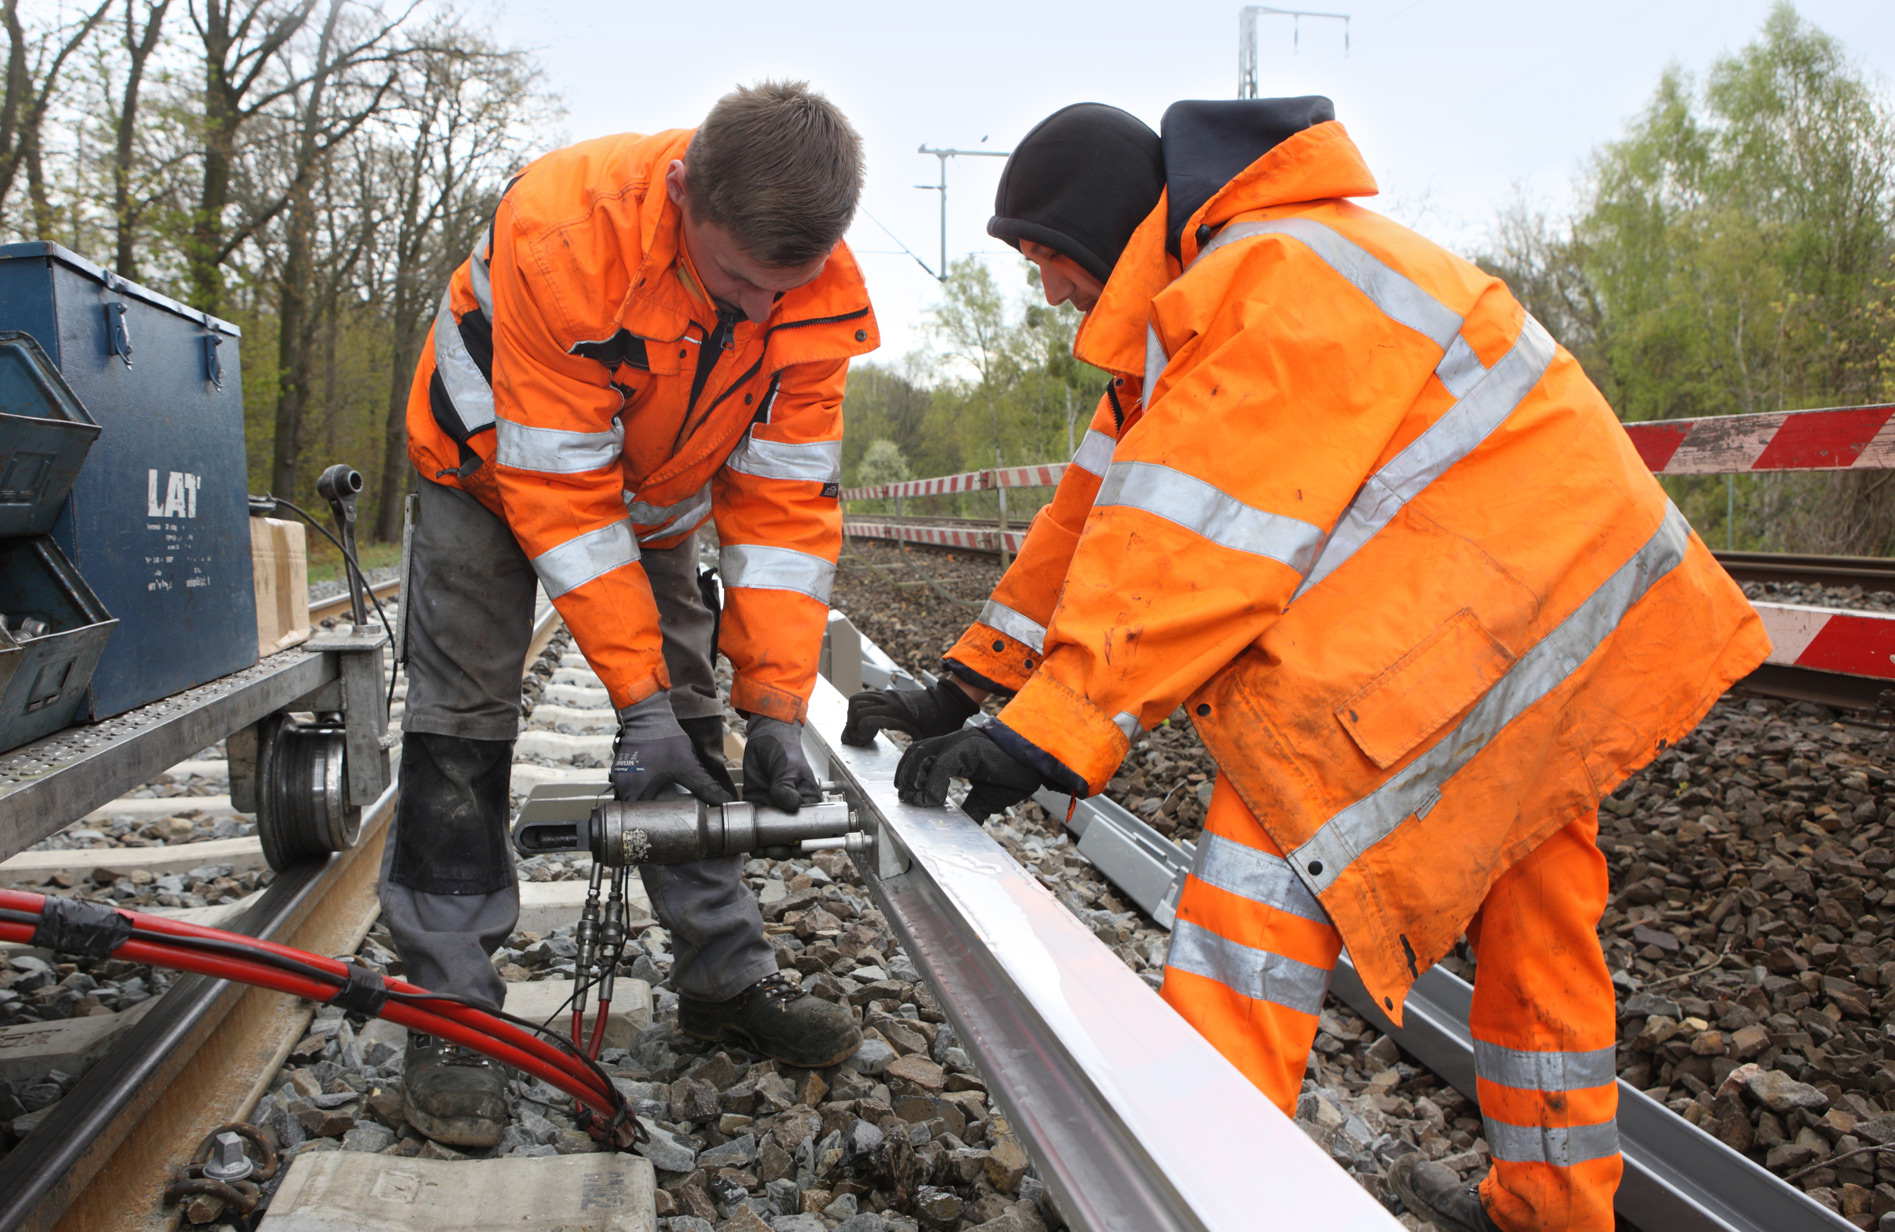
(1014, 625)
(554, 451)
(1155, 361)
(1535, 674)
(460, 375)
(580, 559)
(1095, 452)
(1255, 875)
(1544, 1071)
(477, 272)
(1560, 1146)
(1460, 368)
(814, 461)
(669, 519)
(1128, 723)
(1259, 974)
(1211, 512)
(1395, 294)
(755, 567)
(1449, 439)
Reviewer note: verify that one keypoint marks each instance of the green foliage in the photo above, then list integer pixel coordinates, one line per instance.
(998, 385)
(882, 463)
(1731, 254)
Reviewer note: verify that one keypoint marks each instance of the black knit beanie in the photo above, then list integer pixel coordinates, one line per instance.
(1080, 183)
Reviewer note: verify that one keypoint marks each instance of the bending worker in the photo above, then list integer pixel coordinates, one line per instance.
(1389, 549)
(653, 331)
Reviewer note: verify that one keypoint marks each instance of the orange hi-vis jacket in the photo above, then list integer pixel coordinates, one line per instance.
(581, 384)
(1386, 544)
(1001, 648)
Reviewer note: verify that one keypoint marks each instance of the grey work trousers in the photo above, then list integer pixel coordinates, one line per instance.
(448, 889)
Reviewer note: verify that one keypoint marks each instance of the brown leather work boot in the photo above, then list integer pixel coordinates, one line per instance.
(452, 1094)
(778, 1019)
(1436, 1193)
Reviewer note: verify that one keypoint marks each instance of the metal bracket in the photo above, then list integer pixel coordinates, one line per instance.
(841, 662)
(364, 706)
(240, 751)
(118, 336)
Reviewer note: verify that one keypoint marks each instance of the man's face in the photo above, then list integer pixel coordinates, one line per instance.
(1061, 277)
(732, 277)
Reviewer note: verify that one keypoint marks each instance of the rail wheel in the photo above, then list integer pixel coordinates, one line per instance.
(302, 792)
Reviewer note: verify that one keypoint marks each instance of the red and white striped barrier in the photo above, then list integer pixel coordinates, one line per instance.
(1852, 437)
(1042, 475)
(1830, 639)
(938, 536)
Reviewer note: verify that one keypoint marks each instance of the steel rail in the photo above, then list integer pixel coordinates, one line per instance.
(1132, 1118)
(336, 605)
(1869, 572)
(77, 1157)
(80, 1141)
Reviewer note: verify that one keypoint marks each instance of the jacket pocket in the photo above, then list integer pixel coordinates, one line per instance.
(1442, 676)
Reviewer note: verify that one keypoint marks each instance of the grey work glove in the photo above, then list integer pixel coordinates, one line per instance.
(775, 771)
(919, 713)
(652, 754)
(997, 779)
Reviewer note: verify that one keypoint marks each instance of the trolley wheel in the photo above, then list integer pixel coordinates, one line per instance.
(302, 792)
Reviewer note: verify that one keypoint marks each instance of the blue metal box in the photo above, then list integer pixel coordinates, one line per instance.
(158, 522)
(52, 631)
(44, 435)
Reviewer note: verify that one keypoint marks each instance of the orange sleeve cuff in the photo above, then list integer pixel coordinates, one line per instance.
(1068, 728)
(1006, 661)
(755, 697)
(624, 694)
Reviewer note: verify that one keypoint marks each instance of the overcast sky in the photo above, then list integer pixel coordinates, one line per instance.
(1453, 102)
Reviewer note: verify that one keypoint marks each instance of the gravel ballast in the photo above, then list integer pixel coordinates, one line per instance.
(1748, 932)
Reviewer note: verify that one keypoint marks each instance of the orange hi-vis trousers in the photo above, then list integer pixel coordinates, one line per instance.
(1251, 954)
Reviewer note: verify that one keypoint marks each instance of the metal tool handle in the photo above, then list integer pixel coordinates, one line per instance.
(340, 485)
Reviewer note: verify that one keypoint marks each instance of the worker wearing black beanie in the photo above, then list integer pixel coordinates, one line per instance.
(1080, 183)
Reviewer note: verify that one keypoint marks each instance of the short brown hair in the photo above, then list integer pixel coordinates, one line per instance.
(780, 168)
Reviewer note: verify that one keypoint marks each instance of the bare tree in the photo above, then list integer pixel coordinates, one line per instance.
(139, 46)
(468, 102)
(35, 61)
(351, 73)
(241, 45)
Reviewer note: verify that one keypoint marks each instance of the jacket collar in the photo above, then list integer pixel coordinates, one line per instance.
(1317, 164)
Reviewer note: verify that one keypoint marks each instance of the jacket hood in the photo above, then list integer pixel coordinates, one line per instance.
(1316, 163)
(1208, 142)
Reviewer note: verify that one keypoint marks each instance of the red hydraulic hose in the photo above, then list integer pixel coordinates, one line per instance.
(598, 1029)
(162, 942)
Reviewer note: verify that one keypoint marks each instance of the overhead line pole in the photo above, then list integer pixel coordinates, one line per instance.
(941, 188)
(1247, 39)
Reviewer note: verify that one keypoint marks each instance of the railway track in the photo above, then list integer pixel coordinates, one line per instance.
(1871, 573)
(1118, 1109)
(1831, 685)
(205, 1052)
(338, 605)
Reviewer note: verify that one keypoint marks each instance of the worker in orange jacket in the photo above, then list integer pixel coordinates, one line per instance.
(1385, 544)
(654, 331)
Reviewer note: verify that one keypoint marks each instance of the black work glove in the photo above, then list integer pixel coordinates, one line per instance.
(707, 737)
(934, 711)
(652, 754)
(775, 771)
(999, 780)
